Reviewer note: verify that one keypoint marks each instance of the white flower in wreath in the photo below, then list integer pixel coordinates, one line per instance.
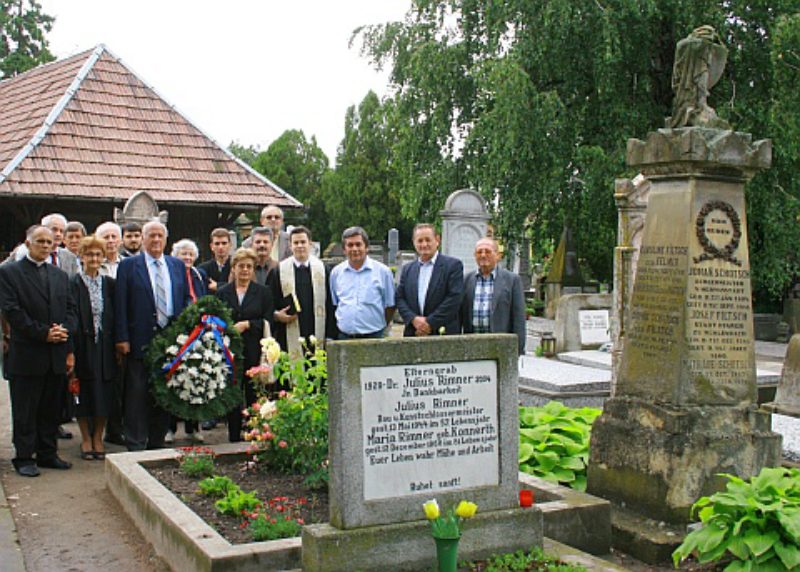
(184, 395)
(193, 371)
(227, 341)
(173, 350)
(181, 339)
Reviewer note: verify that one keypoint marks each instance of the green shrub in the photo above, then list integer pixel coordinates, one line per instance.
(554, 442)
(755, 522)
(521, 561)
(196, 461)
(292, 436)
(238, 503)
(217, 486)
(264, 527)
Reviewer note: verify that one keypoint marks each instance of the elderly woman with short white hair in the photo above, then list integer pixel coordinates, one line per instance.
(187, 250)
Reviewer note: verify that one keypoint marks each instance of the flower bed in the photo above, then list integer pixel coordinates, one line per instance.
(282, 495)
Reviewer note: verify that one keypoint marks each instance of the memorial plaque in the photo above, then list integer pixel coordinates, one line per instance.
(691, 300)
(594, 326)
(419, 418)
(429, 427)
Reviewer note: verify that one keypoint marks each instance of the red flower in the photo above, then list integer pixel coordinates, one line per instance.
(282, 444)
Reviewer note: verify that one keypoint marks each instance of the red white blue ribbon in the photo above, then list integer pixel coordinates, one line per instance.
(207, 323)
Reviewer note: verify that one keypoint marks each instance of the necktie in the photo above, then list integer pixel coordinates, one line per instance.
(191, 286)
(161, 295)
(54, 258)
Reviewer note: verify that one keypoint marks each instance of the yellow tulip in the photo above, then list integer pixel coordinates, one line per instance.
(431, 509)
(466, 509)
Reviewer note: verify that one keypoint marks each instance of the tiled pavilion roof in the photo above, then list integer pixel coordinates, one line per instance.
(87, 127)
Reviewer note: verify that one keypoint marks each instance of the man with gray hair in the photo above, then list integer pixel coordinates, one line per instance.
(493, 298)
(151, 290)
(60, 256)
(272, 217)
(362, 290)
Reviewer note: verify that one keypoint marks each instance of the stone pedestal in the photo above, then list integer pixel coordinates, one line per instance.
(659, 459)
(685, 399)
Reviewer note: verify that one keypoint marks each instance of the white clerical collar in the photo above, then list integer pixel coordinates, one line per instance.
(305, 264)
(36, 262)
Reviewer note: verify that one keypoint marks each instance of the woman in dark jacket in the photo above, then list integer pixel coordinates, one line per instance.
(251, 305)
(93, 343)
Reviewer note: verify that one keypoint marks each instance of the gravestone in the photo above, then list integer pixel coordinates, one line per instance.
(140, 208)
(393, 240)
(377, 251)
(687, 383)
(416, 419)
(630, 196)
(465, 219)
(582, 322)
(565, 274)
(787, 396)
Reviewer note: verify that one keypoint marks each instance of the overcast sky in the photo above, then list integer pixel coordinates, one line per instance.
(241, 70)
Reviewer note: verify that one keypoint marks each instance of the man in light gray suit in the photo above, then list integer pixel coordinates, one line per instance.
(493, 299)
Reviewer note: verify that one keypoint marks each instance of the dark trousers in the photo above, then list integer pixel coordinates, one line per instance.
(114, 424)
(374, 335)
(144, 422)
(36, 403)
(235, 415)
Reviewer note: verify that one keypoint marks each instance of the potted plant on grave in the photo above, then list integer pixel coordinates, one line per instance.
(446, 531)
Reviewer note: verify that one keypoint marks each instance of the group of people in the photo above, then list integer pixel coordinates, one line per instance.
(84, 308)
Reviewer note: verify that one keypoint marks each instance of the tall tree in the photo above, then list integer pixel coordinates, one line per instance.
(297, 165)
(362, 190)
(532, 103)
(22, 36)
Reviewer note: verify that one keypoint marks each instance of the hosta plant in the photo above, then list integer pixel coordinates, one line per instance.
(754, 525)
(554, 442)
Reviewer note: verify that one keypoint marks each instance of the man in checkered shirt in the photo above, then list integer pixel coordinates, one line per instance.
(493, 299)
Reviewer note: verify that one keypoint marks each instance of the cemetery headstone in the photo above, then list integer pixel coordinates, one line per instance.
(465, 219)
(140, 208)
(582, 322)
(787, 396)
(687, 384)
(393, 241)
(416, 419)
(565, 273)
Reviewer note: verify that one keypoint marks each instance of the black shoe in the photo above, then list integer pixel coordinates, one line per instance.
(28, 471)
(63, 433)
(115, 439)
(208, 425)
(54, 463)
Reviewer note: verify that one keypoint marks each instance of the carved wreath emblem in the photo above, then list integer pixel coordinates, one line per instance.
(710, 250)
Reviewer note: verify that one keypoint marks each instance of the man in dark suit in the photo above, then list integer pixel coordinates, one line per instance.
(151, 291)
(218, 269)
(430, 290)
(493, 298)
(35, 299)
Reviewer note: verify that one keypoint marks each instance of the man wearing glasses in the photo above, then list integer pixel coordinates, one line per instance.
(272, 217)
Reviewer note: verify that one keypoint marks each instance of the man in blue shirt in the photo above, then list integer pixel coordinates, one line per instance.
(362, 290)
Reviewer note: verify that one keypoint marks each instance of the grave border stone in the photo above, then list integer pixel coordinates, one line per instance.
(345, 360)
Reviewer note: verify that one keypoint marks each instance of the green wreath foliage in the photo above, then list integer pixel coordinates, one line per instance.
(156, 355)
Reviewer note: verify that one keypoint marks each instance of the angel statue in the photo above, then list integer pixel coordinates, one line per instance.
(699, 62)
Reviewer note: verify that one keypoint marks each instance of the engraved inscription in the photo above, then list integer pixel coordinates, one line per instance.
(429, 427)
